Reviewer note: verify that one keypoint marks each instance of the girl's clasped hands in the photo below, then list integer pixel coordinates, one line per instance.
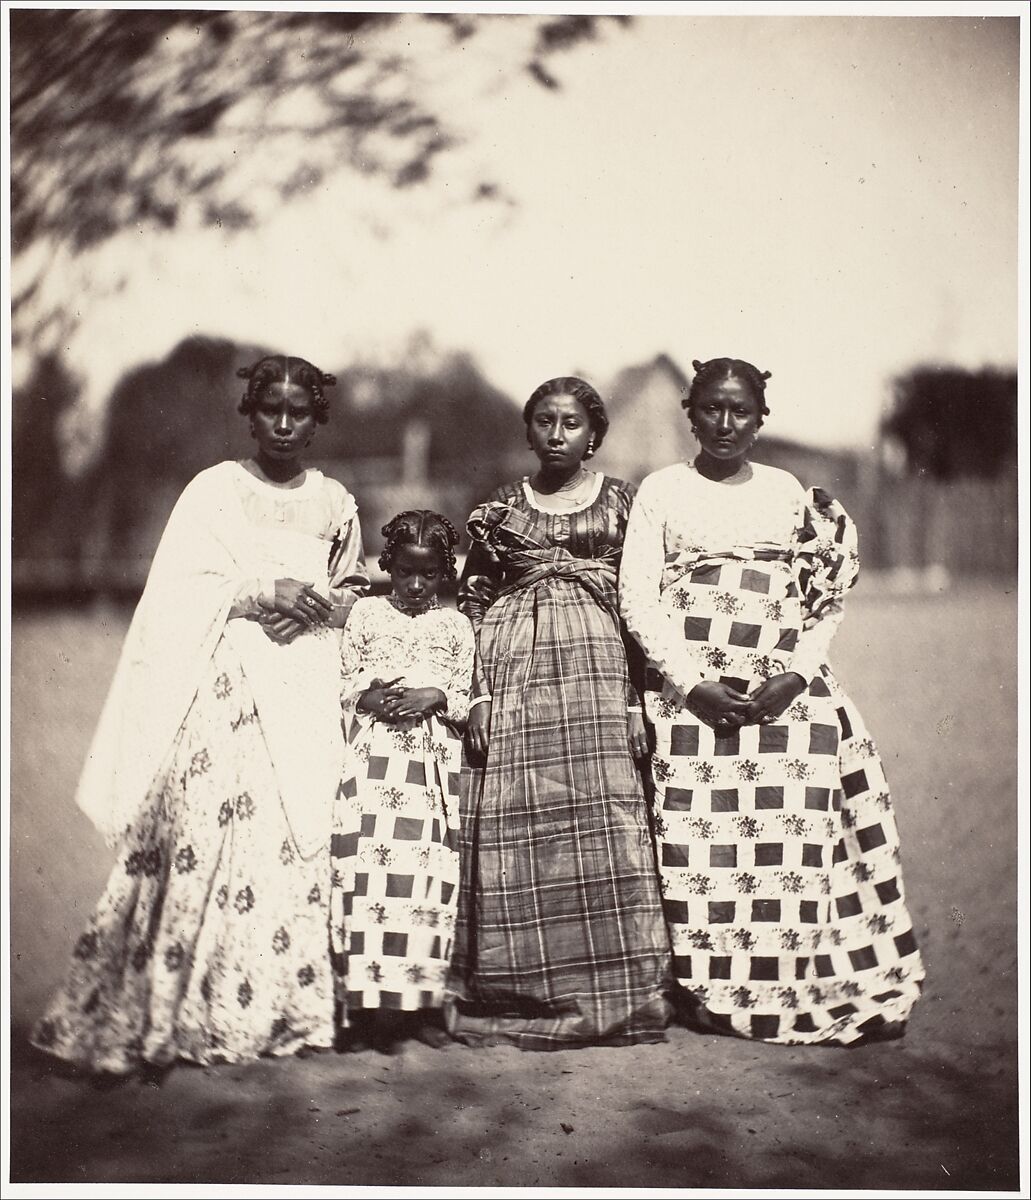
(390, 701)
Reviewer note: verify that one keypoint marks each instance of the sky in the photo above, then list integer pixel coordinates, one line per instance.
(834, 198)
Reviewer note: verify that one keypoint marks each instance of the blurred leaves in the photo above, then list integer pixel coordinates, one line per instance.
(145, 117)
(955, 423)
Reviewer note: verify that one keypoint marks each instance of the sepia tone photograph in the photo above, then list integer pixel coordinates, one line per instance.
(512, 543)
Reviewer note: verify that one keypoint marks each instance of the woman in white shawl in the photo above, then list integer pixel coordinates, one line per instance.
(216, 762)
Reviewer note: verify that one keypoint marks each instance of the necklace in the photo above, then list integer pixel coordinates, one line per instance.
(412, 610)
(570, 492)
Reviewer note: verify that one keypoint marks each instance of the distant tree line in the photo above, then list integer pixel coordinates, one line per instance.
(954, 423)
(168, 420)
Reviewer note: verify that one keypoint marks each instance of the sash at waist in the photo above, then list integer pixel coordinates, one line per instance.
(685, 561)
(529, 568)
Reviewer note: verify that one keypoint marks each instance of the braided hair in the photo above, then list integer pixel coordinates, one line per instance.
(420, 527)
(716, 369)
(283, 368)
(581, 391)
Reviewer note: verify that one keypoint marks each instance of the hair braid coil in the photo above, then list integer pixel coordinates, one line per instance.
(715, 370)
(420, 527)
(284, 368)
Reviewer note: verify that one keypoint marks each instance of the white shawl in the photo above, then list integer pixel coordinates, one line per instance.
(207, 550)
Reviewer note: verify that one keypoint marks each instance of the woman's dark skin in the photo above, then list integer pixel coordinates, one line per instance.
(725, 420)
(283, 424)
(560, 435)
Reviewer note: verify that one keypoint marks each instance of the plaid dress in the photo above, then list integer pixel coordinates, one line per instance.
(777, 843)
(559, 939)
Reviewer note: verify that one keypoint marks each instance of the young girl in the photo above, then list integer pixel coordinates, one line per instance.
(407, 666)
(216, 762)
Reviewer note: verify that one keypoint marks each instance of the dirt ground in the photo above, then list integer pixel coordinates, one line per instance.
(935, 677)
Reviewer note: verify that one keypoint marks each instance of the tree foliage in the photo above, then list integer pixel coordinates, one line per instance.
(142, 117)
(955, 423)
(170, 419)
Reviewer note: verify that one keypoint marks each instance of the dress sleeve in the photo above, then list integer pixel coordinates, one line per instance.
(813, 647)
(348, 574)
(481, 579)
(623, 494)
(640, 580)
(827, 563)
(353, 647)
(482, 576)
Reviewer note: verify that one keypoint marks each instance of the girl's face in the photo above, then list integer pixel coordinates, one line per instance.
(283, 421)
(726, 418)
(559, 431)
(416, 573)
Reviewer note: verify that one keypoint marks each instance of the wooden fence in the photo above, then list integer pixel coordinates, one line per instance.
(968, 528)
(917, 529)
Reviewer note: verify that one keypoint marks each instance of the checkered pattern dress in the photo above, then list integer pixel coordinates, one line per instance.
(394, 849)
(560, 939)
(778, 847)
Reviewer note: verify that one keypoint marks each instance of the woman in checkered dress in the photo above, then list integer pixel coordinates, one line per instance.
(407, 664)
(777, 841)
(560, 939)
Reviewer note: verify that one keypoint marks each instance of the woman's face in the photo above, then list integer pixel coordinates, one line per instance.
(416, 575)
(559, 431)
(283, 421)
(726, 419)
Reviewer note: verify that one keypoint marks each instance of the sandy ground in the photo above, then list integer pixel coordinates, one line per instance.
(935, 677)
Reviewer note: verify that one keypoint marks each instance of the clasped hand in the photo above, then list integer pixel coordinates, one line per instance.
(390, 702)
(725, 708)
(296, 608)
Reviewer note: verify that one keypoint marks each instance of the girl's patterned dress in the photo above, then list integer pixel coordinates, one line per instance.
(778, 846)
(395, 846)
(560, 939)
(210, 942)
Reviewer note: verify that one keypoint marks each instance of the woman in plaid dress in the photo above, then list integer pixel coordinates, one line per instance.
(559, 939)
(777, 841)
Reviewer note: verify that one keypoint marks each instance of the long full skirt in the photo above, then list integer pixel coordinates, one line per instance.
(560, 939)
(211, 940)
(395, 867)
(781, 872)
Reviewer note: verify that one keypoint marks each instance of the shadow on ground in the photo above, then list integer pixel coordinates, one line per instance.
(729, 1113)
(935, 679)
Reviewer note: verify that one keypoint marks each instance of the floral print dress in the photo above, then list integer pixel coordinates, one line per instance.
(211, 940)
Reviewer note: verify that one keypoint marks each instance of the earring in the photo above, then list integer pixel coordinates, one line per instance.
(253, 433)
(589, 452)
